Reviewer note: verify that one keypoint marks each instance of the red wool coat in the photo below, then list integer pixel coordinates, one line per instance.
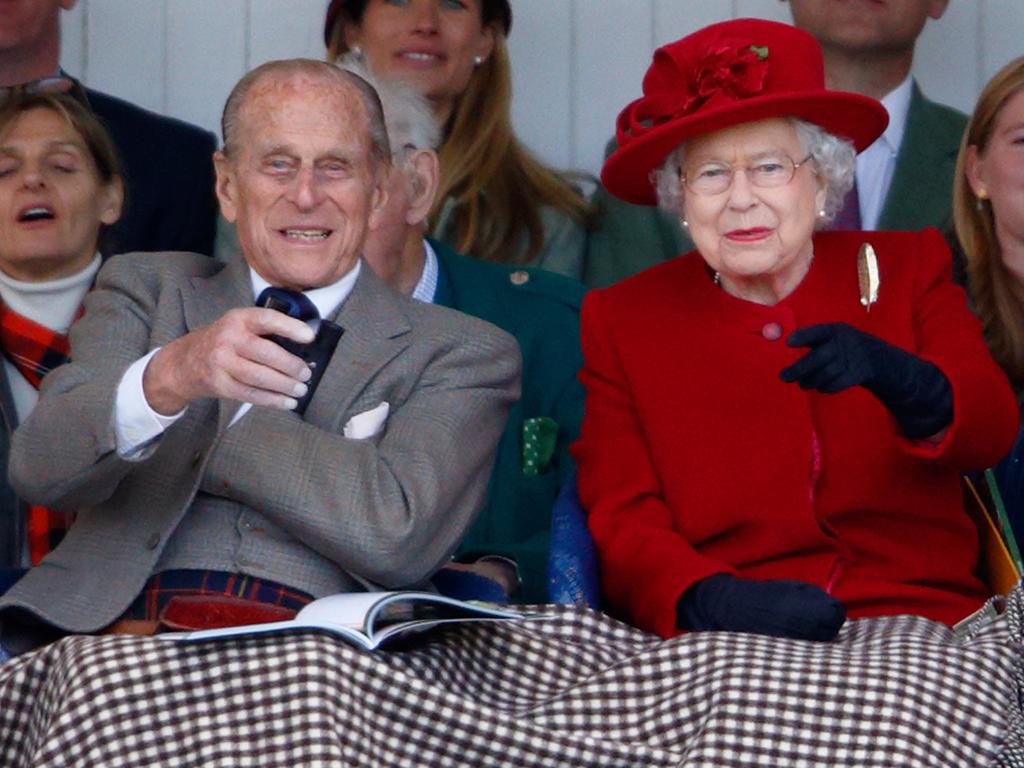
(695, 457)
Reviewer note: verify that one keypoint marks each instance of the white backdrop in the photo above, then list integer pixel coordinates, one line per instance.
(576, 62)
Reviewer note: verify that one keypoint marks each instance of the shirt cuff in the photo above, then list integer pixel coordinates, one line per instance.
(136, 424)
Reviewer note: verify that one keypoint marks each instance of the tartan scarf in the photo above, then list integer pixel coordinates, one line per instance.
(35, 350)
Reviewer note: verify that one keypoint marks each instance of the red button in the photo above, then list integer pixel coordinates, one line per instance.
(772, 331)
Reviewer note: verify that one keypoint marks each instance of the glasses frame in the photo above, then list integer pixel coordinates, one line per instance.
(746, 170)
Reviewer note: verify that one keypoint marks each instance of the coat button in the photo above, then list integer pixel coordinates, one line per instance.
(153, 541)
(519, 277)
(772, 331)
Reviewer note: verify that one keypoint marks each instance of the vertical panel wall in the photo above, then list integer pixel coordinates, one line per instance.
(575, 62)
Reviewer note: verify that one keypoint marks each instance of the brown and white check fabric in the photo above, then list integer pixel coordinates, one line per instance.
(577, 690)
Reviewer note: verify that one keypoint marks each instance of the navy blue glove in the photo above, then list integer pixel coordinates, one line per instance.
(781, 608)
(916, 392)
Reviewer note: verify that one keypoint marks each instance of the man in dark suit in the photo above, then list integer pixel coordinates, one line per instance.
(174, 431)
(509, 542)
(167, 163)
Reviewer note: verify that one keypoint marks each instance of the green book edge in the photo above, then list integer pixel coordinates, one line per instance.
(1004, 521)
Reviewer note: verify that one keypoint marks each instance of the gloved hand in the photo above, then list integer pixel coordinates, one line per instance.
(916, 392)
(781, 608)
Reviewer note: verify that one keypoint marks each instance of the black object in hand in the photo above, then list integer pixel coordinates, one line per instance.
(780, 608)
(316, 353)
(915, 391)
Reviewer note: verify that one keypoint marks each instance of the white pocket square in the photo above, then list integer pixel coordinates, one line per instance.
(368, 423)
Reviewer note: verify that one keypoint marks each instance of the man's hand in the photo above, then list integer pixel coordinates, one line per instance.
(230, 359)
(915, 391)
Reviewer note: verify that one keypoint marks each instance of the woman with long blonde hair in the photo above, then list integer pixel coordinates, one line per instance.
(988, 211)
(496, 201)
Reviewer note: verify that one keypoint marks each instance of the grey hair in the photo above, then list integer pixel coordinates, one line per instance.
(407, 114)
(834, 160)
(380, 148)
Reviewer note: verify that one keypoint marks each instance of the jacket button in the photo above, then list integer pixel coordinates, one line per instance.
(772, 331)
(519, 277)
(153, 541)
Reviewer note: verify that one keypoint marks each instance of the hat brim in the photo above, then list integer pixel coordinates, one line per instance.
(626, 173)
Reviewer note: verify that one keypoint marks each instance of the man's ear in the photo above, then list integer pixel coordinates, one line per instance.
(972, 170)
(227, 185)
(112, 201)
(424, 172)
(379, 198)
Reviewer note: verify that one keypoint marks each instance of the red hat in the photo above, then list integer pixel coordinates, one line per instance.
(735, 72)
(494, 10)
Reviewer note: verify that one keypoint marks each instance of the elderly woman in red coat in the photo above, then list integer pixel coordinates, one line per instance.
(776, 422)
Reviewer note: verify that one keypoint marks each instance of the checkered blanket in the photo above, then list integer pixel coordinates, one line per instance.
(578, 689)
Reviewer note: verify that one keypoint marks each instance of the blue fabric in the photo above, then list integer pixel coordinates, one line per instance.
(1010, 479)
(464, 585)
(292, 303)
(572, 563)
(8, 576)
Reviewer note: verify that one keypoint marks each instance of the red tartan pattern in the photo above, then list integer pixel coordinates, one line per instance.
(168, 584)
(35, 350)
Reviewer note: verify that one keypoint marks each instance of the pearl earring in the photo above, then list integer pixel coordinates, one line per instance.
(478, 60)
(685, 223)
(357, 52)
(821, 214)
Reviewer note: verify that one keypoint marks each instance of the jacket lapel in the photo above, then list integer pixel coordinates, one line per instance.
(919, 195)
(376, 330)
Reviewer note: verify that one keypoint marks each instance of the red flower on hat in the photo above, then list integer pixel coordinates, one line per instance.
(729, 73)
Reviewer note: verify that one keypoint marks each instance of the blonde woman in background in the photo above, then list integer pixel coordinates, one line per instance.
(496, 202)
(988, 210)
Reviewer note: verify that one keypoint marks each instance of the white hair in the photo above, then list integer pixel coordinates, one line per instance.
(408, 118)
(834, 161)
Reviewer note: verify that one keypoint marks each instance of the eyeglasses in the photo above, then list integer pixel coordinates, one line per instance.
(57, 84)
(713, 178)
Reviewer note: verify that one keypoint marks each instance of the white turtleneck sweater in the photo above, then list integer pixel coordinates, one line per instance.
(53, 304)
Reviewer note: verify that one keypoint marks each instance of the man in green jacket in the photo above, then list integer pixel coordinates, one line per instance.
(509, 542)
(905, 179)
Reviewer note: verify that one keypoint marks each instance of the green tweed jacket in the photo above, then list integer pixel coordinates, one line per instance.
(630, 238)
(541, 310)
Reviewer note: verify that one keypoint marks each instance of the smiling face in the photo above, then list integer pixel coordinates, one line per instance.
(301, 183)
(429, 44)
(997, 173)
(52, 199)
(754, 237)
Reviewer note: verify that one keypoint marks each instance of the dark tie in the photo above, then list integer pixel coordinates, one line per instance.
(292, 303)
(848, 218)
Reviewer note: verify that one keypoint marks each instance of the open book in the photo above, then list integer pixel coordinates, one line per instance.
(370, 619)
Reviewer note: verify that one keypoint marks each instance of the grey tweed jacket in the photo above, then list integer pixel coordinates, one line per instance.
(274, 495)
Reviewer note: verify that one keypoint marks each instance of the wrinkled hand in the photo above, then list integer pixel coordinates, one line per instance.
(915, 391)
(230, 359)
(780, 608)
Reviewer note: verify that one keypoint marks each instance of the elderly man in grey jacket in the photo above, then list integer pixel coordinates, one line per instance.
(176, 431)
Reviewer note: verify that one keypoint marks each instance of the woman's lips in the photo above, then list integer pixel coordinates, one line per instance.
(748, 235)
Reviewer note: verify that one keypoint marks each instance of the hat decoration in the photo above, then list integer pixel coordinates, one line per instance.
(724, 74)
(734, 72)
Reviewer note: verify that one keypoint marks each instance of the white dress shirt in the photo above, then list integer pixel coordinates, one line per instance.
(137, 425)
(427, 285)
(876, 164)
